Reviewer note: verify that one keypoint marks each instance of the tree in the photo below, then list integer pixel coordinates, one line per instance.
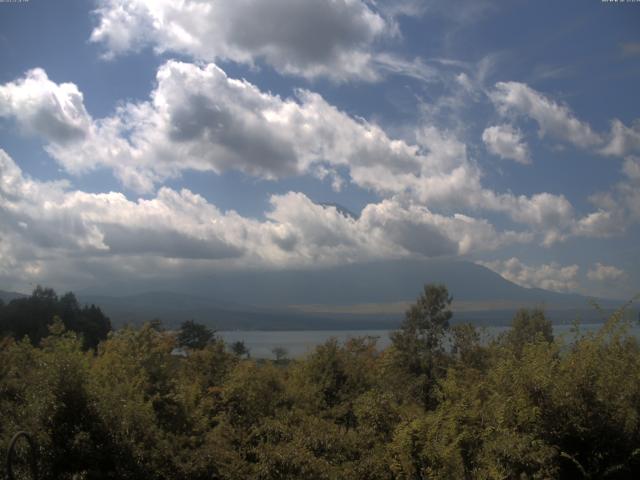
(194, 335)
(418, 345)
(466, 346)
(93, 325)
(528, 326)
(239, 348)
(31, 316)
(280, 353)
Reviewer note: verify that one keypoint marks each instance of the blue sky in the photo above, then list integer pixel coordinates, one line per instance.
(148, 138)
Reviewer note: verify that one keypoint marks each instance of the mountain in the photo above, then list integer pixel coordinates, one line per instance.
(174, 308)
(371, 295)
(376, 282)
(6, 297)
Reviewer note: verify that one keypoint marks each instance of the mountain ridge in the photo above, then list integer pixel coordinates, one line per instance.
(374, 293)
(360, 296)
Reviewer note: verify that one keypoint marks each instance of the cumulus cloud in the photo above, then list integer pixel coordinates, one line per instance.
(549, 276)
(601, 223)
(419, 230)
(198, 118)
(617, 208)
(506, 142)
(320, 38)
(605, 273)
(554, 119)
(389, 229)
(50, 216)
(54, 111)
(623, 140)
(45, 222)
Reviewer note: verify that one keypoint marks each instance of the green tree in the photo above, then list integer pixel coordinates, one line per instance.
(466, 347)
(133, 382)
(528, 326)
(31, 316)
(239, 348)
(194, 335)
(418, 349)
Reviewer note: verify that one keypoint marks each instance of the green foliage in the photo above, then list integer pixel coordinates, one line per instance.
(418, 348)
(31, 316)
(251, 393)
(333, 376)
(194, 335)
(44, 391)
(524, 406)
(528, 326)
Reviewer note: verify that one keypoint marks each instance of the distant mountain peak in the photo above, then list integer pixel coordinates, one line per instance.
(340, 209)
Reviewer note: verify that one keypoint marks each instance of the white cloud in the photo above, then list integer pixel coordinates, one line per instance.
(322, 172)
(43, 223)
(419, 230)
(623, 140)
(506, 142)
(199, 119)
(601, 223)
(605, 273)
(54, 111)
(629, 189)
(54, 218)
(618, 208)
(631, 168)
(558, 121)
(554, 119)
(549, 276)
(320, 38)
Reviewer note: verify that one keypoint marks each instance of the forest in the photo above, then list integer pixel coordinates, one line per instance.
(442, 402)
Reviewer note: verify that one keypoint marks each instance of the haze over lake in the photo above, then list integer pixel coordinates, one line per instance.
(300, 343)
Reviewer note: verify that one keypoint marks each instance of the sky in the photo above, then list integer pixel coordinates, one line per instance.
(155, 139)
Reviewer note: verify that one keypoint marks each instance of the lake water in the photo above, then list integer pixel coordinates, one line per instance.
(302, 342)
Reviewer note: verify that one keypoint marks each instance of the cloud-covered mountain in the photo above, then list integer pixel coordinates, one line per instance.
(348, 296)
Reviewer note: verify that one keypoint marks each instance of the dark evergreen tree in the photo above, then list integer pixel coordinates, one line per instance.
(31, 317)
(194, 335)
(239, 348)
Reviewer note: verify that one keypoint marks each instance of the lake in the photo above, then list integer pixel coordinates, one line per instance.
(301, 342)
